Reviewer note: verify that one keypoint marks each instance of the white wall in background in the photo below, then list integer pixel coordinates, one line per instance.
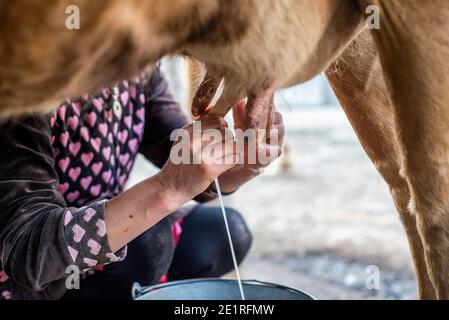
(316, 92)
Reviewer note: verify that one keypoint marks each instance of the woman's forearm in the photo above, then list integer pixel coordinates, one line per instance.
(138, 209)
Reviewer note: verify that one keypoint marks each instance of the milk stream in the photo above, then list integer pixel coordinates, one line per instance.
(234, 259)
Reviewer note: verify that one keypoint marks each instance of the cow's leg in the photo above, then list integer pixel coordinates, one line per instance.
(358, 82)
(413, 45)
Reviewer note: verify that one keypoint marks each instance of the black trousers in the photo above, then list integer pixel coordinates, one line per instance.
(203, 251)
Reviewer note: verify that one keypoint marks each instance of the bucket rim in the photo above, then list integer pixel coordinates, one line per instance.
(138, 290)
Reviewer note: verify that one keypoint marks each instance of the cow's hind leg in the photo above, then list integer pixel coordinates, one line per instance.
(357, 80)
(413, 45)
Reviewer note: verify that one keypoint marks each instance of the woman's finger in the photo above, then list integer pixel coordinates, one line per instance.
(222, 151)
(280, 132)
(212, 121)
(266, 154)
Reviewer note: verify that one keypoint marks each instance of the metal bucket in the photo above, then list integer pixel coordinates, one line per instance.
(217, 289)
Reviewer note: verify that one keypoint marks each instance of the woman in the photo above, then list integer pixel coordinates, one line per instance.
(63, 204)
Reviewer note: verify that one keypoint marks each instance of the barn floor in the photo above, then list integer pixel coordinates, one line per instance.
(319, 226)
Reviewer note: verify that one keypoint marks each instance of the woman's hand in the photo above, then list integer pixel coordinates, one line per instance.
(271, 149)
(145, 204)
(201, 167)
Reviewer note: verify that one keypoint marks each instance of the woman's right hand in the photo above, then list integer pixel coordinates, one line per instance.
(185, 178)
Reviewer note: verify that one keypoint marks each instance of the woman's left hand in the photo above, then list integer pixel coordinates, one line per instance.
(267, 151)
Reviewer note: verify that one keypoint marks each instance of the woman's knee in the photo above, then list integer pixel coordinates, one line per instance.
(241, 235)
(203, 250)
(151, 253)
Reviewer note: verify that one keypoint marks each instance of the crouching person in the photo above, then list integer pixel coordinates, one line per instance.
(63, 206)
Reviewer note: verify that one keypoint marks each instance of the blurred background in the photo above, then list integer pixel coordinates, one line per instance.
(321, 216)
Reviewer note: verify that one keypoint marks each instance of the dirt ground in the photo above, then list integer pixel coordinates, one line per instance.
(324, 224)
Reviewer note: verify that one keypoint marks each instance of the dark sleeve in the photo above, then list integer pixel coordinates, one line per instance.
(39, 235)
(163, 116)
